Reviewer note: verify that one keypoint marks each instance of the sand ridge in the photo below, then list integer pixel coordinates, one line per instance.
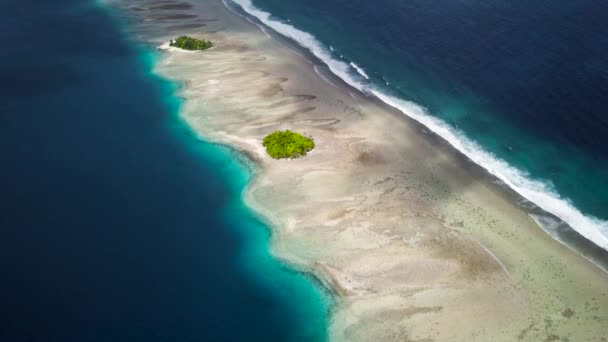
(417, 245)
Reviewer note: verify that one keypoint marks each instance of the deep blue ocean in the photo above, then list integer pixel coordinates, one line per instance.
(117, 223)
(520, 87)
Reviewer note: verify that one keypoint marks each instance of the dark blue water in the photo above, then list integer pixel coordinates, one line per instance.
(117, 224)
(526, 80)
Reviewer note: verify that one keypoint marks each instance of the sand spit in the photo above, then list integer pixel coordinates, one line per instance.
(419, 244)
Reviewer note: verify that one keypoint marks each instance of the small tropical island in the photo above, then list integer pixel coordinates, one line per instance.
(189, 43)
(287, 144)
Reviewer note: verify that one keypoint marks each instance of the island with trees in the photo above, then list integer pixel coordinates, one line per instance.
(287, 144)
(189, 43)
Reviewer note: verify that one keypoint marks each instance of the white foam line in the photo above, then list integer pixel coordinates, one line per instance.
(359, 70)
(540, 193)
(548, 228)
(535, 191)
(305, 39)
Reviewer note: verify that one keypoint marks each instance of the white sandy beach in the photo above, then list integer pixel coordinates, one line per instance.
(419, 243)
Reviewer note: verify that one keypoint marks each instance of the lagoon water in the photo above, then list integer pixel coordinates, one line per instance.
(520, 87)
(117, 223)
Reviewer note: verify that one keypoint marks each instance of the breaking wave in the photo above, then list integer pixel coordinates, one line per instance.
(538, 192)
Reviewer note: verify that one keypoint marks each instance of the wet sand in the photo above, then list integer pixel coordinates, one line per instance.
(417, 242)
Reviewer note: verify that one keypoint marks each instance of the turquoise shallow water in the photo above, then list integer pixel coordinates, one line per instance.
(117, 222)
(307, 303)
(297, 304)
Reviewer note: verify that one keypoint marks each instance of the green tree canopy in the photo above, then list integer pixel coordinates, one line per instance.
(189, 43)
(287, 144)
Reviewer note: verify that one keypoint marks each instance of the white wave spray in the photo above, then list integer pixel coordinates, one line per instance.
(359, 70)
(537, 192)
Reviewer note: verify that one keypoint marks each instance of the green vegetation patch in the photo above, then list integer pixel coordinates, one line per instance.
(189, 43)
(287, 144)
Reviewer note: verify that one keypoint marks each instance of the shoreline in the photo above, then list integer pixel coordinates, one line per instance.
(329, 295)
(253, 164)
(404, 293)
(534, 191)
(594, 250)
(557, 229)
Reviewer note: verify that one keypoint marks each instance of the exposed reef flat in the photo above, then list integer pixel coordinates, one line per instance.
(419, 243)
(185, 26)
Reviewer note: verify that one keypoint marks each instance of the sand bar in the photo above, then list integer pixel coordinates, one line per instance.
(418, 243)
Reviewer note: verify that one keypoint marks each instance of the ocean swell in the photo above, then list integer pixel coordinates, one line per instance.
(538, 192)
